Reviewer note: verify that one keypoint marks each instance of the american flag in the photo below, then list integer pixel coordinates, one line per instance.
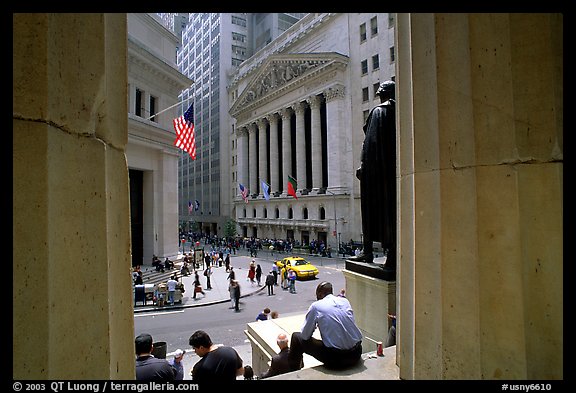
(243, 192)
(189, 206)
(184, 126)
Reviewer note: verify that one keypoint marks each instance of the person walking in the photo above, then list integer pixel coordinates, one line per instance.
(234, 289)
(197, 285)
(252, 272)
(292, 280)
(275, 273)
(258, 274)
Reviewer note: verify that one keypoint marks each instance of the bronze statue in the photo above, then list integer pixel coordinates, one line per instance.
(377, 175)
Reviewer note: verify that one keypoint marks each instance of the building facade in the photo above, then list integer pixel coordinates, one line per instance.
(154, 84)
(299, 107)
(213, 47)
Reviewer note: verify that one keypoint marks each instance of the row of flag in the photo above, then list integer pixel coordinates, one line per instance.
(194, 207)
(291, 189)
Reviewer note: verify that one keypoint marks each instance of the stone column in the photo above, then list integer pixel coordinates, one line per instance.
(480, 289)
(253, 165)
(316, 140)
(274, 159)
(71, 203)
(262, 154)
(339, 143)
(299, 108)
(242, 165)
(286, 146)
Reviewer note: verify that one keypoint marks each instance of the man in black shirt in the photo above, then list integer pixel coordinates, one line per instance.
(217, 363)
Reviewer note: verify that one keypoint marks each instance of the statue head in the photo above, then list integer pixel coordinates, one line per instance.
(387, 89)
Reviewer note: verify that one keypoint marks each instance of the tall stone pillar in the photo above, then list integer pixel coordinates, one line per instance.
(316, 140)
(480, 275)
(274, 159)
(299, 108)
(286, 146)
(262, 154)
(253, 164)
(339, 141)
(242, 140)
(72, 291)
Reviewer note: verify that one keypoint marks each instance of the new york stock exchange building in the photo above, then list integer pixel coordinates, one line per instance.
(299, 106)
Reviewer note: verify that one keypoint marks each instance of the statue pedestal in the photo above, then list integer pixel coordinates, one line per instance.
(374, 269)
(372, 299)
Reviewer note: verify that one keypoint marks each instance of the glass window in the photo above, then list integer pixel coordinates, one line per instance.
(362, 32)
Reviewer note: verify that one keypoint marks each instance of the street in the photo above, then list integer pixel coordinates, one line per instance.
(223, 324)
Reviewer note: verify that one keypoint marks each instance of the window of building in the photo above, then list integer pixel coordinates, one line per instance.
(365, 96)
(365, 115)
(244, 213)
(374, 26)
(392, 54)
(322, 213)
(254, 213)
(375, 88)
(265, 213)
(277, 213)
(362, 32)
(138, 107)
(153, 109)
(364, 67)
(390, 20)
(305, 213)
(290, 213)
(375, 62)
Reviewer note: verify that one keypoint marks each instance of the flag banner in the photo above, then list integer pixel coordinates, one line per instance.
(184, 126)
(266, 190)
(196, 205)
(243, 192)
(292, 186)
(189, 206)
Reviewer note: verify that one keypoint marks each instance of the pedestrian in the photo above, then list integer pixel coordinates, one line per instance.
(274, 314)
(270, 283)
(275, 273)
(227, 263)
(231, 274)
(248, 372)
(258, 274)
(292, 280)
(149, 368)
(340, 345)
(217, 363)
(252, 271)
(208, 274)
(234, 289)
(342, 293)
(171, 285)
(197, 285)
(176, 362)
(263, 315)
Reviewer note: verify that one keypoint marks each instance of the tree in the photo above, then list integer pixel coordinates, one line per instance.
(230, 229)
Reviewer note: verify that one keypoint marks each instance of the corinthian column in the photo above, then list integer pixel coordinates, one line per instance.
(262, 150)
(339, 142)
(242, 139)
(316, 140)
(274, 164)
(252, 154)
(300, 145)
(286, 145)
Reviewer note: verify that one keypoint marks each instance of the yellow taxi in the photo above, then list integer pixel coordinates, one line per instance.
(301, 266)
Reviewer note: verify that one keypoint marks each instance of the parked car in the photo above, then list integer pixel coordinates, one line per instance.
(301, 266)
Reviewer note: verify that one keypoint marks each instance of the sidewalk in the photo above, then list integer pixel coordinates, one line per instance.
(219, 282)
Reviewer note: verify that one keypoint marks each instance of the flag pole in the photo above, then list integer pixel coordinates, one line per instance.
(170, 107)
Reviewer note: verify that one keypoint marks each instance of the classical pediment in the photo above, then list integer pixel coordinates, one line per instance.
(282, 73)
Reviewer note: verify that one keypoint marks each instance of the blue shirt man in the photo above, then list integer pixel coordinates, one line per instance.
(341, 340)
